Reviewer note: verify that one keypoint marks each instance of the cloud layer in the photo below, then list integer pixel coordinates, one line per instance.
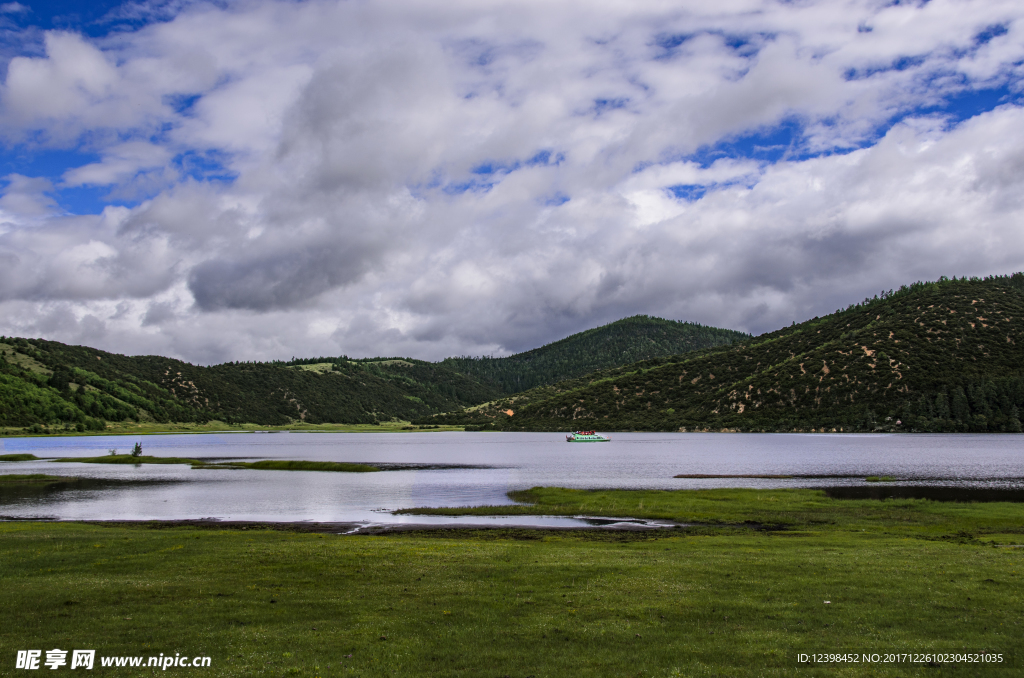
(431, 179)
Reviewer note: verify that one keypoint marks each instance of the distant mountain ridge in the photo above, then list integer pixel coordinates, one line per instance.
(49, 383)
(936, 356)
(940, 356)
(625, 341)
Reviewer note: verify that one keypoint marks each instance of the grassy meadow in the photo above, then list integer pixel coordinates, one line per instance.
(728, 598)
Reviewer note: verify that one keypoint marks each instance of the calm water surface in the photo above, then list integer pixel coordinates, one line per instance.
(486, 467)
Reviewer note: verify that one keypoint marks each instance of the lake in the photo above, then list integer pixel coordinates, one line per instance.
(469, 469)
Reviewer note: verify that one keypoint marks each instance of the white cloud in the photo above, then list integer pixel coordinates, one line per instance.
(25, 200)
(74, 80)
(120, 162)
(442, 178)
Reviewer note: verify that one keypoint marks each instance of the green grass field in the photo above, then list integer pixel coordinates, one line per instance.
(726, 599)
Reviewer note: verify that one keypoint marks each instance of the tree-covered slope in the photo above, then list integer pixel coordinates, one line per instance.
(32, 393)
(941, 356)
(46, 382)
(622, 342)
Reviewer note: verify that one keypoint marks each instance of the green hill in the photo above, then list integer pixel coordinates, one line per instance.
(622, 342)
(941, 356)
(47, 383)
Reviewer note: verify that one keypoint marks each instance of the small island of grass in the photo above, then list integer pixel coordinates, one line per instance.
(33, 479)
(18, 457)
(129, 459)
(265, 465)
(293, 465)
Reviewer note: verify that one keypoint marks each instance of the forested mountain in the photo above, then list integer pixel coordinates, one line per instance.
(46, 382)
(622, 342)
(940, 356)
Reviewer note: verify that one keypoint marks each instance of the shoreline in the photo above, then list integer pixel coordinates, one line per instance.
(348, 528)
(405, 427)
(360, 428)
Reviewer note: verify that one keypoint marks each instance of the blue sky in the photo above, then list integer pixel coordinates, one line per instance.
(24, 24)
(265, 178)
(95, 18)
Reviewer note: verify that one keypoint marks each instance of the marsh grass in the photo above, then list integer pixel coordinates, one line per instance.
(292, 465)
(784, 508)
(27, 487)
(129, 459)
(34, 479)
(18, 457)
(512, 602)
(267, 465)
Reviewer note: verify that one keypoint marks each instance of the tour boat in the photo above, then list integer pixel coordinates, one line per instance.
(586, 437)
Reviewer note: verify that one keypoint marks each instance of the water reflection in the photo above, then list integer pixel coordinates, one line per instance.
(469, 469)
